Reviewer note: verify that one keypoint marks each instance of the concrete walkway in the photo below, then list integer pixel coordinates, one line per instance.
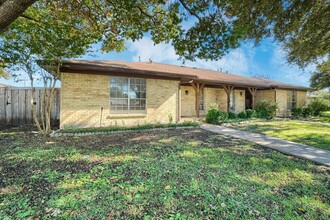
(317, 155)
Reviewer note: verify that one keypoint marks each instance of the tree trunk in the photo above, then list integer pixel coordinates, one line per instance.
(33, 108)
(10, 10)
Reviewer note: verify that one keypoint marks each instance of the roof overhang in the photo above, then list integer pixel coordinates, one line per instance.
(119, 69)
(68, 67)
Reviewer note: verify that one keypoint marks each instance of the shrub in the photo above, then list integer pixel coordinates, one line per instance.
(223, 116)
(212, 116)
(242, 114)
(296, 112)
(232, 115)
(307, 111)
(266, 109)
(215, 116)
(170, 118)
(319, 106)
(249, 113)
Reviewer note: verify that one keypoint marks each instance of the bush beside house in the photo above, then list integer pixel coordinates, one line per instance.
(216, 116)
(315, 108)
(266, 109)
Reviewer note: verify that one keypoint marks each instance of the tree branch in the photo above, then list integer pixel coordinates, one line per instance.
(10, 10)
(29, 18)
(189, 10)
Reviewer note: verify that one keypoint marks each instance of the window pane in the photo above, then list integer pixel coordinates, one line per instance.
(137, 104)
(119, 104)
(119, 87)
(137, 88)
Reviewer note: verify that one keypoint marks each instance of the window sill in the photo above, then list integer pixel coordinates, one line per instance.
(128, 115)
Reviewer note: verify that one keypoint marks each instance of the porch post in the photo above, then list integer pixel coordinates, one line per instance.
(228, 90)
(253, 94)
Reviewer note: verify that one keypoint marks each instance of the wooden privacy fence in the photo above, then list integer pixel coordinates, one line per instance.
(15, 105)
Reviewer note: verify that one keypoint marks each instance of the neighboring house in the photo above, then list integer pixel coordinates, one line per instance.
(103, 93)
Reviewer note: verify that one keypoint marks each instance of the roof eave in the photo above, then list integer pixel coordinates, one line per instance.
(83, 68)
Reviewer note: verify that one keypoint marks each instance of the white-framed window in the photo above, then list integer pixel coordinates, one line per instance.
(292, 99)
(127, 95)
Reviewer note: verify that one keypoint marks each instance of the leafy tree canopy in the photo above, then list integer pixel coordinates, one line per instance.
(321, 78)
(197, 29)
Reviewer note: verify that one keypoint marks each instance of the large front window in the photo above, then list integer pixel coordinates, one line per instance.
(292, 99)
(127, 95)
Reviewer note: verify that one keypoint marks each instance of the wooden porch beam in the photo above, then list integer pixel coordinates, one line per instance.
(198, 88)
(253, 92)
(229, 89)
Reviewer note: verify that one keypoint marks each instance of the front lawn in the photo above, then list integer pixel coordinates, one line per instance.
(320, 119)
(324, 118)
(300, 132)
(172, 174)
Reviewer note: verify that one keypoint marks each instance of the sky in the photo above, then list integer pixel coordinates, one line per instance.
(266, 59)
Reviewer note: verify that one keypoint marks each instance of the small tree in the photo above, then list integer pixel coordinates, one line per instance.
(28, 43)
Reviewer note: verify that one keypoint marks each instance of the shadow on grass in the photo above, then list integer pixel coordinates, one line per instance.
(193, 174)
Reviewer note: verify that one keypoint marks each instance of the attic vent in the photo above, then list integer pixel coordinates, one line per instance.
(194, 67)
(150, 60)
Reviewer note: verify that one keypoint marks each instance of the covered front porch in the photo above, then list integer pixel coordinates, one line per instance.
(196, 98)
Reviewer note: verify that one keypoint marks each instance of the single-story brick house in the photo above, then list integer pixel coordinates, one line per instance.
(103, 93)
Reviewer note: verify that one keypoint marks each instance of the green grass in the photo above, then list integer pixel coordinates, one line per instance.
(326, 114)
(320, 119)
(236, 120)
(300, 132)
(172, 174)
(324, 118)
(133, 128)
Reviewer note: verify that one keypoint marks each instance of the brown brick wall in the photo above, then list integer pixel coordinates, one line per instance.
(211, 95)
(83, 95)
(265, 95)
(239, 100)
(301, 98)
(221, 99)
(188, 101)
(215, 95)
(282, 101)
